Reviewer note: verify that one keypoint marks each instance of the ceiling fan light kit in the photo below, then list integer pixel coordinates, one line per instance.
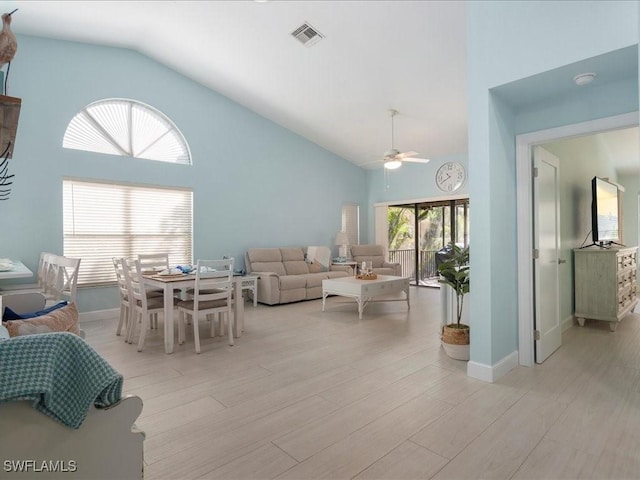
(393, 158)
(392, 164)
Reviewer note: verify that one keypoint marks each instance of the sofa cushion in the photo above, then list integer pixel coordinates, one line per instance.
(296, 267)
(369, 253)
(275, 267)
(315, 279)
(292, 253)
(265, 255)
(376, 262)
(289, 282)
(64, 319)
(11, 315)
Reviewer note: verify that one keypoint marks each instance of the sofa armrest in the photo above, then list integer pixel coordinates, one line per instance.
(268, 287)
(397, 267)
(265, 274)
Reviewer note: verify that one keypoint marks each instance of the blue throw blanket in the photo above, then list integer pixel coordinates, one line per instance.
(60, 373)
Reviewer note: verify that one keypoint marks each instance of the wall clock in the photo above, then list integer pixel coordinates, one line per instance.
(450, 176)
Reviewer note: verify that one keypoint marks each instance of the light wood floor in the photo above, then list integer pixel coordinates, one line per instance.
(306, 394)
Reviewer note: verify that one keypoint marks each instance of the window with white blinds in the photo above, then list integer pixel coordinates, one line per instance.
(105, 220)
(126, 127)
(351, 222)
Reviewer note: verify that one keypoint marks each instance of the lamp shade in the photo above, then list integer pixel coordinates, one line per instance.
(342, 238)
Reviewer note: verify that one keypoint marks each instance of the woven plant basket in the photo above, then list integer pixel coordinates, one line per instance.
(455, 336)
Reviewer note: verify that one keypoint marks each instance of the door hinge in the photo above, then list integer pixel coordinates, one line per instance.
(535, 172)
(536, 334)
(536, 253)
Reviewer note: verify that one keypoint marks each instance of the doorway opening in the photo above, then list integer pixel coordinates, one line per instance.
(525, 143)
(417, 231)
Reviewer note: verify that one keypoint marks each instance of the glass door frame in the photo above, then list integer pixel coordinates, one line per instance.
(453, 204)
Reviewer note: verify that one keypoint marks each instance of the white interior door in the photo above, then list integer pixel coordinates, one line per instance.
(546, 214)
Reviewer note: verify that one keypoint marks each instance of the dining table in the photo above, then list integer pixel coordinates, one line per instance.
(11, 269)
(168, 283)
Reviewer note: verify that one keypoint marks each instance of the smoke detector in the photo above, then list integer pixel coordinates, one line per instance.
(584, 78)
(307, 35)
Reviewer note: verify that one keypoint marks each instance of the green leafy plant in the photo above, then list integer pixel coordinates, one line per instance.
(455, 272)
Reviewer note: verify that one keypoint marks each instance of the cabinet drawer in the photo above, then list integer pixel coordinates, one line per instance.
(626, 279)
(625, 298)
(626, 260)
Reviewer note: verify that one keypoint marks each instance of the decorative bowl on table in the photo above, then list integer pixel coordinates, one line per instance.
(367, 276)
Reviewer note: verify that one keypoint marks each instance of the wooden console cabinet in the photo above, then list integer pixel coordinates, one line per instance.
(605, 283)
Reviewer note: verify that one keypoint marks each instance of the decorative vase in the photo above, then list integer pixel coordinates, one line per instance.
(455, 341)
(457, 352)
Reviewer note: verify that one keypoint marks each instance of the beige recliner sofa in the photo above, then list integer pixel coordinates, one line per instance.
(285, 276)
(375, 254)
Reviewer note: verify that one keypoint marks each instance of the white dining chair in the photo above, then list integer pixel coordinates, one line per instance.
(143, 307)
(153, 262)
(125, 304)
(43, 270)
(212, 294)
(62, 278)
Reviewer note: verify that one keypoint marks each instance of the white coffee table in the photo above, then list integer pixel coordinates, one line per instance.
(363, 291)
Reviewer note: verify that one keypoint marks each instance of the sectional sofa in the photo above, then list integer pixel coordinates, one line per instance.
(286, 275)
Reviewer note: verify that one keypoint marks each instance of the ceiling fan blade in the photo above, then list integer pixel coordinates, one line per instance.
(416, 160)
(403, 155)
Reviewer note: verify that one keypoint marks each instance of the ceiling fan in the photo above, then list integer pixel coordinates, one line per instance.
(394, 158)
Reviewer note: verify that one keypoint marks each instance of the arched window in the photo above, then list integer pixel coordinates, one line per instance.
(125, 127)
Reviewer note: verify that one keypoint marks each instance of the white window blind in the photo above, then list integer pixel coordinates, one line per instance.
(351, 222)
(126, 127)
(106, 220)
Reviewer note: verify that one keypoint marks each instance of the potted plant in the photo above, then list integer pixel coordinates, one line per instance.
(454, 271)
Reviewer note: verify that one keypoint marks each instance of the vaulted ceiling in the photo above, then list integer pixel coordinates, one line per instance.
(375, 56)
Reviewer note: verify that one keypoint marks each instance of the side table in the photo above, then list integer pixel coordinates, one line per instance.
(250, 282)
(347, 264)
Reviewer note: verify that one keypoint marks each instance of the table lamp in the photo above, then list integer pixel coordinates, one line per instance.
(342, 239)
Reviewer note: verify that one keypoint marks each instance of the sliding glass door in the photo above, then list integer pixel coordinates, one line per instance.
(418, 230)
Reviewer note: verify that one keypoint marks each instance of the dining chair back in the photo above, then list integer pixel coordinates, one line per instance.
(125, 304)
(143, 306)
(63, 278)
(43, 270)
(154, 263)
(212, 293)
(150, 262)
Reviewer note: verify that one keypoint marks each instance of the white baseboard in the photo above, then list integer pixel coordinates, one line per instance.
(98, 315)
(567, 323)
(490, 373)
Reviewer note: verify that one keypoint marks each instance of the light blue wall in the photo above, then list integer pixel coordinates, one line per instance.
(411, 181)
(509, 41)
(255, 183)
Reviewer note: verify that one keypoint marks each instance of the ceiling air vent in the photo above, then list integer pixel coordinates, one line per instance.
(307, 35)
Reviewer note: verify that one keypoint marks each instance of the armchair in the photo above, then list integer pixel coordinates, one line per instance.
(376, 255)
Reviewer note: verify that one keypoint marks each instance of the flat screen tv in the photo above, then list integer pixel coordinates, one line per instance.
(604, 211)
